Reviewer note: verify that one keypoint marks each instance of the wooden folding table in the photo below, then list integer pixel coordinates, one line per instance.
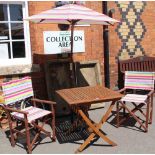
(81, 97)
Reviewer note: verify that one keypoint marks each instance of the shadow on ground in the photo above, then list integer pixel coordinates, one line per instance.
(63, 135)
(129, 123)
(21, 138)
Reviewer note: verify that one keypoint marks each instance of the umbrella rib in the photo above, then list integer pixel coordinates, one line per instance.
(110, 23)
(41, 20)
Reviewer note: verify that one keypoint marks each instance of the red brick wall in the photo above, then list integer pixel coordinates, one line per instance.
(147, 41)
(148, 17)
(114, 45)
(93, 36)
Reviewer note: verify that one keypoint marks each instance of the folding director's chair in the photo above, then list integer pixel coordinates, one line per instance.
(20, 91)
(142, 86)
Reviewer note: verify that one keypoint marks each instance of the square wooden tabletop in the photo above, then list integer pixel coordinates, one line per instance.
(88, 95)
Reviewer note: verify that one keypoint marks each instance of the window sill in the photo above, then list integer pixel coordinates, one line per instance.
(19, 69)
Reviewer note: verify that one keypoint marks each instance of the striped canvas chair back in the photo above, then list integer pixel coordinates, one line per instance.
(139, 80)
(17, 90)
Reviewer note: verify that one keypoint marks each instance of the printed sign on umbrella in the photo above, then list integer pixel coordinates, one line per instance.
(72, 14)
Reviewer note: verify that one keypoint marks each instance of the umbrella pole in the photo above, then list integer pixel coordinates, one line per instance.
(74, 81)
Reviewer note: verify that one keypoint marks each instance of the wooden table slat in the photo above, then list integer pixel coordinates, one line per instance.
(90, 94)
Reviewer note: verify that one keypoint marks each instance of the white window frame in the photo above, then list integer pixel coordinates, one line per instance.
(28, 55)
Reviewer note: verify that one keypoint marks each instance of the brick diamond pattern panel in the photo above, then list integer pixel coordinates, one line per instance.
(131, 29)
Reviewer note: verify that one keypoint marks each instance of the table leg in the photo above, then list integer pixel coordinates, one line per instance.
(78, 123)
(105, 117)
(96, 128)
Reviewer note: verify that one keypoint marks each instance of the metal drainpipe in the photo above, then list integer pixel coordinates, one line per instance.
(106, 47)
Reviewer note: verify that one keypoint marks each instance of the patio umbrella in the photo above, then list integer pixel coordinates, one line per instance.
(72, 14)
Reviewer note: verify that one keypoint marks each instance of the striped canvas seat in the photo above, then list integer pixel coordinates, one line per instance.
(135, 97)
(17, 90)
(33, 113)
(139, 80)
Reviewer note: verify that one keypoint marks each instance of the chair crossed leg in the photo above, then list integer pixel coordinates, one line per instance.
(132, 113)
(38, 128)
(96, 128)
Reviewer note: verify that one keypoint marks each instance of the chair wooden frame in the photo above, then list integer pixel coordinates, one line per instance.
(141, 63)
(48, 116)
(121, 104)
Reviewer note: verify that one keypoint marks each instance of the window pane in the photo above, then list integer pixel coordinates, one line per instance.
(16, 13)
(5, 51)
(4, 31)
(17, 31)
(3, 12)
(18, 49)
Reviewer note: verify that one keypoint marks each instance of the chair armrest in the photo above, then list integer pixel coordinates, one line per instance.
(150, 93)
(121, 90)
(43, 101)
(15, 110)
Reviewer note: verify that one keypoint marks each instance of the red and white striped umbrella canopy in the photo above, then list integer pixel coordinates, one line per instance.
(72, 12)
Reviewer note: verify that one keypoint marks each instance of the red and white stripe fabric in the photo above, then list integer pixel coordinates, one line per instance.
(139, 80)
(33, 113)
(65, 14)
(16, 90)
(136, 98)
